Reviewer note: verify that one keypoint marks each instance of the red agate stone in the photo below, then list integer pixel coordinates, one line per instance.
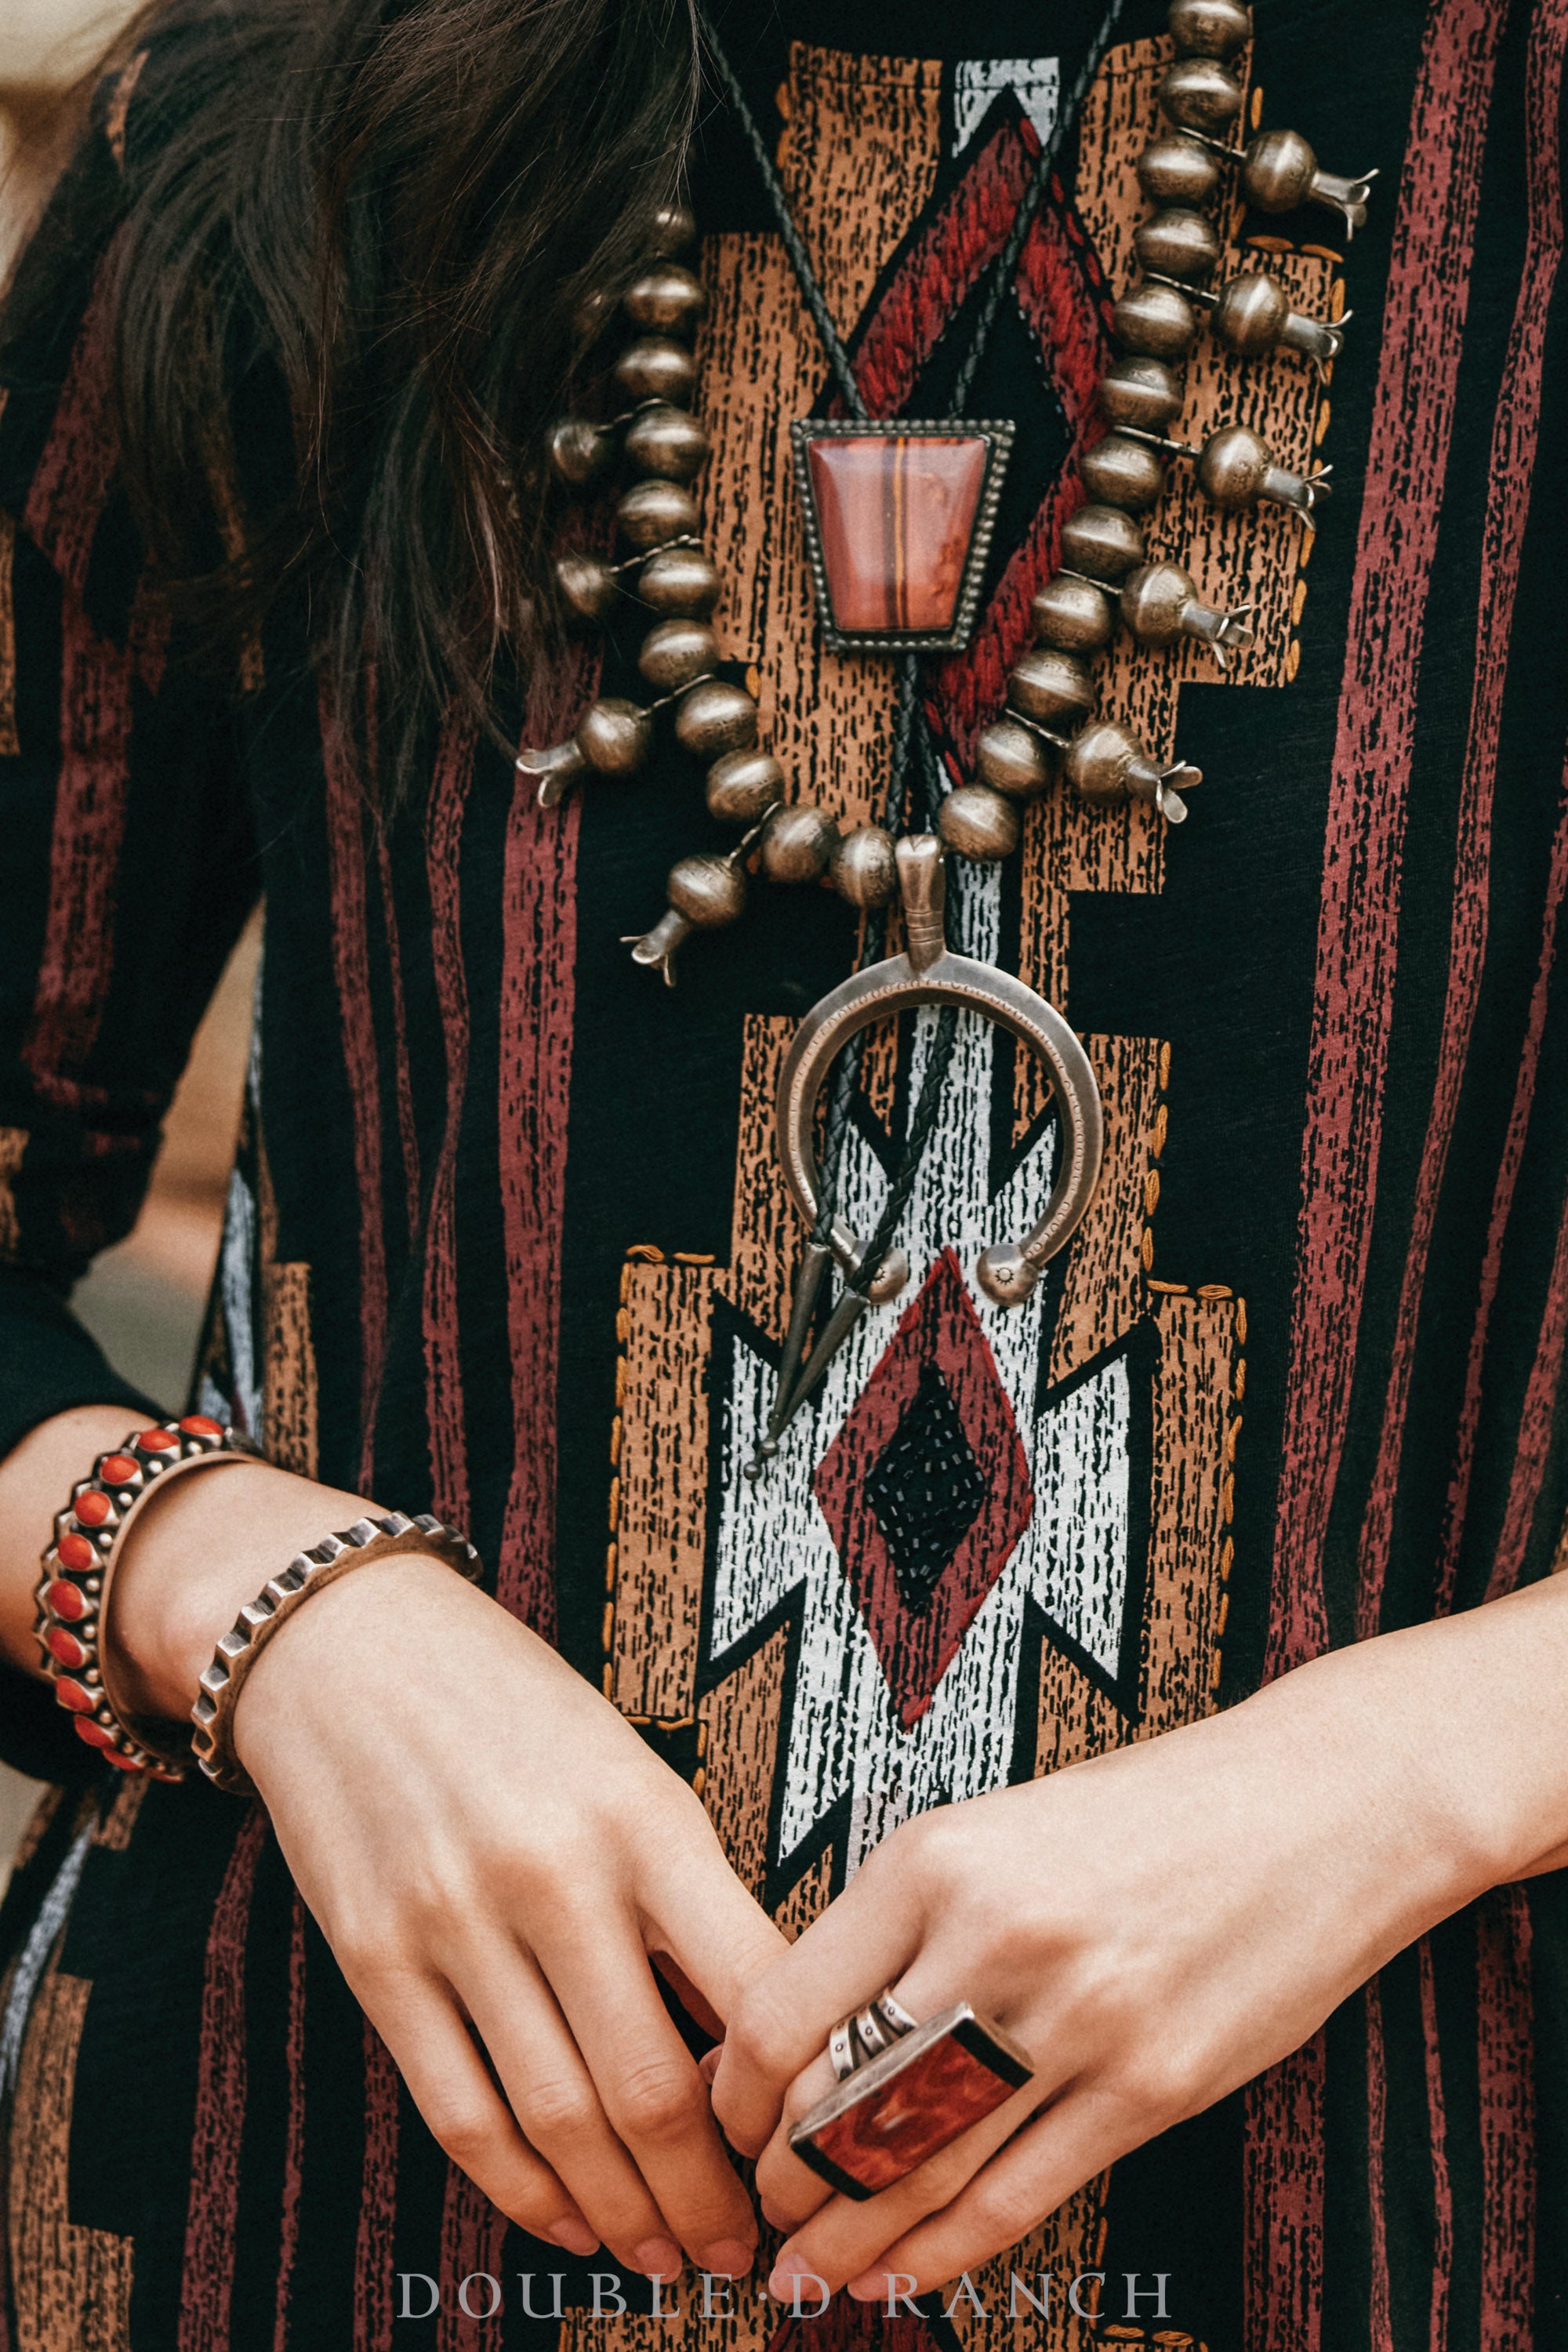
(66, 1647)
(159, 1441)
(94, 1507)
(96, 1735)
(75, 1695)
(75, 1551)
(66, 1601)
(896, 514)
(118, 1469)
(196, 1424)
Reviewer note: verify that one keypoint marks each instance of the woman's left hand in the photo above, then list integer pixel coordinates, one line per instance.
(1154, 1926)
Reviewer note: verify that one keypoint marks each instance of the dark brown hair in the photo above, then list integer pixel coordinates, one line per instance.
(391, 212)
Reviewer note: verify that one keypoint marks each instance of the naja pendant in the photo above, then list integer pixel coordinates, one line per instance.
(927, 972)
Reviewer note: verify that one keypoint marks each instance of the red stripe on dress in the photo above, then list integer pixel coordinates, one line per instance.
(1407, 457)
(1506, 2065)
(294, 2143)
(1515, 433)
(473, 2236)
(1284, 2227)
(346, 807)
(409, 1136)
(206, 2276)
(443, 1360)
(538, 994)
(71, 481)
(1437, 2128)
(374, 2238)
(1380, 2315)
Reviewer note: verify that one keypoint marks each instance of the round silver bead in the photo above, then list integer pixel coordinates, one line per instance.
(586, 585)
(977, 823)
(676, 652)
(613, 736)
(1209, 28)
(1142, 394)
(680, 580)
(863, 867)
(1278, 169)
(1154, 600)
(1250, 314)
(656, 367)
(1013, 760)
(714, 718)
(1099, 761)
(578, 450)
(672, 229)
(653, 511)
(668, 442)
(1178, 172)
(1178, 241)
(709, 890)
(1233, 466)
(1101, 541)
(665, 300)
(1197, 94)
(1053, 687)
(1118, 472)
(743, 785)
(797, 842)
(1073, 614)
(1156, 323)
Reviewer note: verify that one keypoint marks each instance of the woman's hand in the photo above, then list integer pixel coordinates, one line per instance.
(1154, 1926)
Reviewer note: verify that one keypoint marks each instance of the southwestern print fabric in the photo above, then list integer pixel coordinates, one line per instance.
(507, 1238)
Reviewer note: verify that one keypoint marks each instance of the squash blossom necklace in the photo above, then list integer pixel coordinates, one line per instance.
(899, 515)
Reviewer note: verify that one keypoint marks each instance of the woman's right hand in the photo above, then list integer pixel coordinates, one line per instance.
(493, 1854)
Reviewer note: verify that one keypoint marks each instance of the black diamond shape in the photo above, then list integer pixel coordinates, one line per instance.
(926, 1488)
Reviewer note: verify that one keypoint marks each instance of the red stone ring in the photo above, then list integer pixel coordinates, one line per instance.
(72, 1594)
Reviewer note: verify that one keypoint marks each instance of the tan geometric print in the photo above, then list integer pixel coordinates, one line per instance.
(72, 2286)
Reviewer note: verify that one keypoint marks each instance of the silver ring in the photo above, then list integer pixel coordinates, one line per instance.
(856, 2040)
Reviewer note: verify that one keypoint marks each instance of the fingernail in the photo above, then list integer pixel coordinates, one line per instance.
(780, 2283)
(575, 2236)
(728, 2258)
(868, 2289)
(656, 2255)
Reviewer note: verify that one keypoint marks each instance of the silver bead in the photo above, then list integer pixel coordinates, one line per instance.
(1073, 614)
(863, 868)
(797, 842)
(1107, 764)
(579, 450)
(656, 367)
(588, 586)
(1052, 688)
(1197, 94)
(1142, 394)
(1156, 323)
(1176, 170)
(668, 442)
(671, 230)
(1237, 468)
(676, 652)
(613, 736)
(558, 768)
(680, 580)
(653, 511)
(715, 717)
(1013, 760)
(1101, 541)
(743, 785)
(977, 823)
(1160, 605)
(1252, 315)
(1209, 28)
(1178, 243)
(709, 890)
(1119, 472)
(666, 298)
(1280, 172)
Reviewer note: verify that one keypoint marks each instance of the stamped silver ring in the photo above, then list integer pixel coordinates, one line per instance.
(928, 973)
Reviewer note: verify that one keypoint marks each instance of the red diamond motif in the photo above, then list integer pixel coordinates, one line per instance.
(940, 1329)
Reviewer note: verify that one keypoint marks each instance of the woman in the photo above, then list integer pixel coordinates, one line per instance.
(508, 1243)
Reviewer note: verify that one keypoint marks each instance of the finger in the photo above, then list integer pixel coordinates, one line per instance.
(554, 2097)
(710, 1936)
(1012, 2195)
(647, 2081)
(782, 2018)
(844, 2239)
(448, 2084)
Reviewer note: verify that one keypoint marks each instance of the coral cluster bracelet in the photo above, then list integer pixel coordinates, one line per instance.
(72, 1594)
(310, 1571)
